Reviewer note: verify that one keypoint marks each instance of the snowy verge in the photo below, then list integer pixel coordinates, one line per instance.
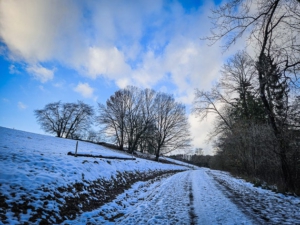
(165, 159)
(266, 206)
(39, 182)
(123, 204)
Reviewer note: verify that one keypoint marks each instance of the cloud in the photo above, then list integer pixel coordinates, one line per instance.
(59, 84)
(40, 73)
(84, 89)
(40, 33)
(150, 71)
(13, 70)
(199, 131)
(108, 47)
(108, 62)
(22, 106)
(135, 43)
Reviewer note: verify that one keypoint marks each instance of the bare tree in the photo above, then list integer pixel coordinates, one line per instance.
(294, 112)
(127, 115)
(207, 102)
(139, 115)
(112, 116)
(171, 125)
(238, 79)
(145, 119)
(65, 119)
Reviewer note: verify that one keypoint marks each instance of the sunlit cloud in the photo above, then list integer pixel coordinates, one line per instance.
(117, 46)
(84, 89)
(199, 131)
(40, 73)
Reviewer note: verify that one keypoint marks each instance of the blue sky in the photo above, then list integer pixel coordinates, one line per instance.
(86, 50)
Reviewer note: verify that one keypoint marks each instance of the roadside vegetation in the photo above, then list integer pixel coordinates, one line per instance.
(257, 101)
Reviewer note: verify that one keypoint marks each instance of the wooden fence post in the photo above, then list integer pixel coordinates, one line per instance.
(76, 149)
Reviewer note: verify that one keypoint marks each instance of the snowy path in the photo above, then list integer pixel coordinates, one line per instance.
(210, 204)
(169, 203)
(190, 197)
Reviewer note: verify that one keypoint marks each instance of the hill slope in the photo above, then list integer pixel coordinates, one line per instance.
(40, 183)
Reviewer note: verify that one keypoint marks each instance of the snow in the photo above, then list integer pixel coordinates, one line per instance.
(210, 204)
(165, 158)
(32, 162)
(171, 200)
(178, 162)
(37, 166)
(195, 197)
(267, 206)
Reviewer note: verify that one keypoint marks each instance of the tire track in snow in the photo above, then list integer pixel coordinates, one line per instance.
(190, 197)
(211, 206)
(168, 204)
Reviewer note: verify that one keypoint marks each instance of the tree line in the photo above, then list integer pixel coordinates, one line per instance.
(257, 99)
(132, 118)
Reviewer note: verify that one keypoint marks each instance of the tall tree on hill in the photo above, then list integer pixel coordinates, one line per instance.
(112, 116)
(127, 115)
(171, 125)
(139, 115)
(65, 119)
(145, 119)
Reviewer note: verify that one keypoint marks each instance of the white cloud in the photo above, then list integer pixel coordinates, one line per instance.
(108, 62)
(114, 40)
(22, 106)
(40, 34)
(123, 82)
(85, 90)
(199, 131)
(40, 73)
(13, 70)
(151, 70)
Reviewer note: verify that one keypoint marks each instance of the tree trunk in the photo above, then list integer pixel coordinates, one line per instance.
(278, 134)
(289, 182)
(157, 154)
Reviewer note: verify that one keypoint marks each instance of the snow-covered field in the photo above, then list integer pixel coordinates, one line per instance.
(36, 174)
(41, 184)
